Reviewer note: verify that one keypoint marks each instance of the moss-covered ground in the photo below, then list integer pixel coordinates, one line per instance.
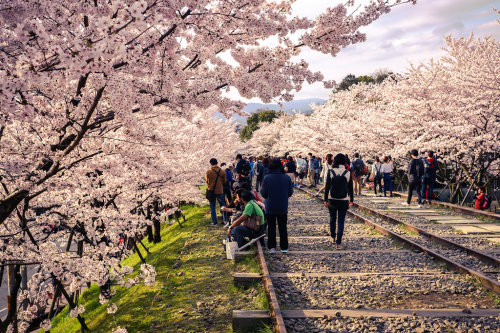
(194, 290)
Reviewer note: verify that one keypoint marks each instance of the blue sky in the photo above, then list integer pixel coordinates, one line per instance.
(408, 34)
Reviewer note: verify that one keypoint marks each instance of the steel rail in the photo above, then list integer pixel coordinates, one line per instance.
(487, 282)
(448, 243)
(457, 208)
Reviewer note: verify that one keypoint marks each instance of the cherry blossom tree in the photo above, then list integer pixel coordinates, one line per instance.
(106, 107)
(448, 105)
(452, 107)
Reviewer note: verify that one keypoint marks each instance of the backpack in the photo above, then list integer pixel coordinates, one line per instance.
(245, 170)
(359, 168)
(316, 164)
(301, 165)
(338, 185)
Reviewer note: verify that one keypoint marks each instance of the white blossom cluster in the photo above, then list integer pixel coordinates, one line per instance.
(107, 106)
(450, 106)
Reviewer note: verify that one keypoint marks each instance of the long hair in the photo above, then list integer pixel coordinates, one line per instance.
(329, 159)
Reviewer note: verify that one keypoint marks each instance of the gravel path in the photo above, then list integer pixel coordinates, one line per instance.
(408, 324)
(403, 279)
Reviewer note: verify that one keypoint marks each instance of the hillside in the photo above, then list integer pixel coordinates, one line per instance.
(300, 106)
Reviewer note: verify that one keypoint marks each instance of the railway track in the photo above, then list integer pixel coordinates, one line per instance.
(389, 278)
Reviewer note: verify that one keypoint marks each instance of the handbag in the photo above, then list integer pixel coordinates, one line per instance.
(372, 177)
(210, 194)
(253, 222)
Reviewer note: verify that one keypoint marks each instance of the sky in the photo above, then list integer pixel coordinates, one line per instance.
(408, 34)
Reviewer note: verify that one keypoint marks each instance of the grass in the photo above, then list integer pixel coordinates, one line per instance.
(194, 288)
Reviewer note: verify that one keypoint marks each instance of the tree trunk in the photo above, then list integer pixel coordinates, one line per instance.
(14, 285)
(454, 190)
(149, 232)
(157, 229)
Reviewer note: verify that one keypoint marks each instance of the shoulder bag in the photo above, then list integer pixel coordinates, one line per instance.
(210, 194)
(253, 222)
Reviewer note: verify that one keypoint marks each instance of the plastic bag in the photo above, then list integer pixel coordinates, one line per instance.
(231, 248)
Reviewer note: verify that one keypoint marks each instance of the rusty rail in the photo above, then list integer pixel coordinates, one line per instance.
(459, 209)
(277, 317)
(446, 242)
(487, 282)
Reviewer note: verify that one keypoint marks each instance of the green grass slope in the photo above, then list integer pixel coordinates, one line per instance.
(194, 290)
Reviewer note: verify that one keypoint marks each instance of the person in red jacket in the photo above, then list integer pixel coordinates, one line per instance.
(480, 197)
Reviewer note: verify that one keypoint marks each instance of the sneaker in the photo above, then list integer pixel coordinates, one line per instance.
(227, 225)
(405, 204)
(284, 251)
(419, 206)
(271, 251)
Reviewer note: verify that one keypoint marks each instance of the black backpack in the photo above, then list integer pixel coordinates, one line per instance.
(245, 169)
(338, 185)
(359, 168)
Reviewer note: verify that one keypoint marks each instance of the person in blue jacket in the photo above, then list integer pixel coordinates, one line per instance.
(276, 188)
(229, 181)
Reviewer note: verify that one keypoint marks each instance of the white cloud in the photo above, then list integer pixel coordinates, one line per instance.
(407, 34)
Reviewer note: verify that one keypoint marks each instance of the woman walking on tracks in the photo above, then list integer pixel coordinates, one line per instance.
(338, 197)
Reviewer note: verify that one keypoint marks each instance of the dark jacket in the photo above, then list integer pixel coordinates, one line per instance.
(229, 178)
(212, 177)
(276, 189)
(415, 170)
(291, 167)
(262, 170)
(242, 168)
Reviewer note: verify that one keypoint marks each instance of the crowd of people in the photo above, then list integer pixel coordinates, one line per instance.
(250, 211)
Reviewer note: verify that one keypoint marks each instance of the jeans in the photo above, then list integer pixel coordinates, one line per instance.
(377, 181)
(213, 213)
(428, 181)
(341, 213)
(415, 185)
(239, 233)
(271, 231)
(387, 183)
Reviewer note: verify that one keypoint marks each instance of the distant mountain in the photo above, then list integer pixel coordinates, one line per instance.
(299, 106)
